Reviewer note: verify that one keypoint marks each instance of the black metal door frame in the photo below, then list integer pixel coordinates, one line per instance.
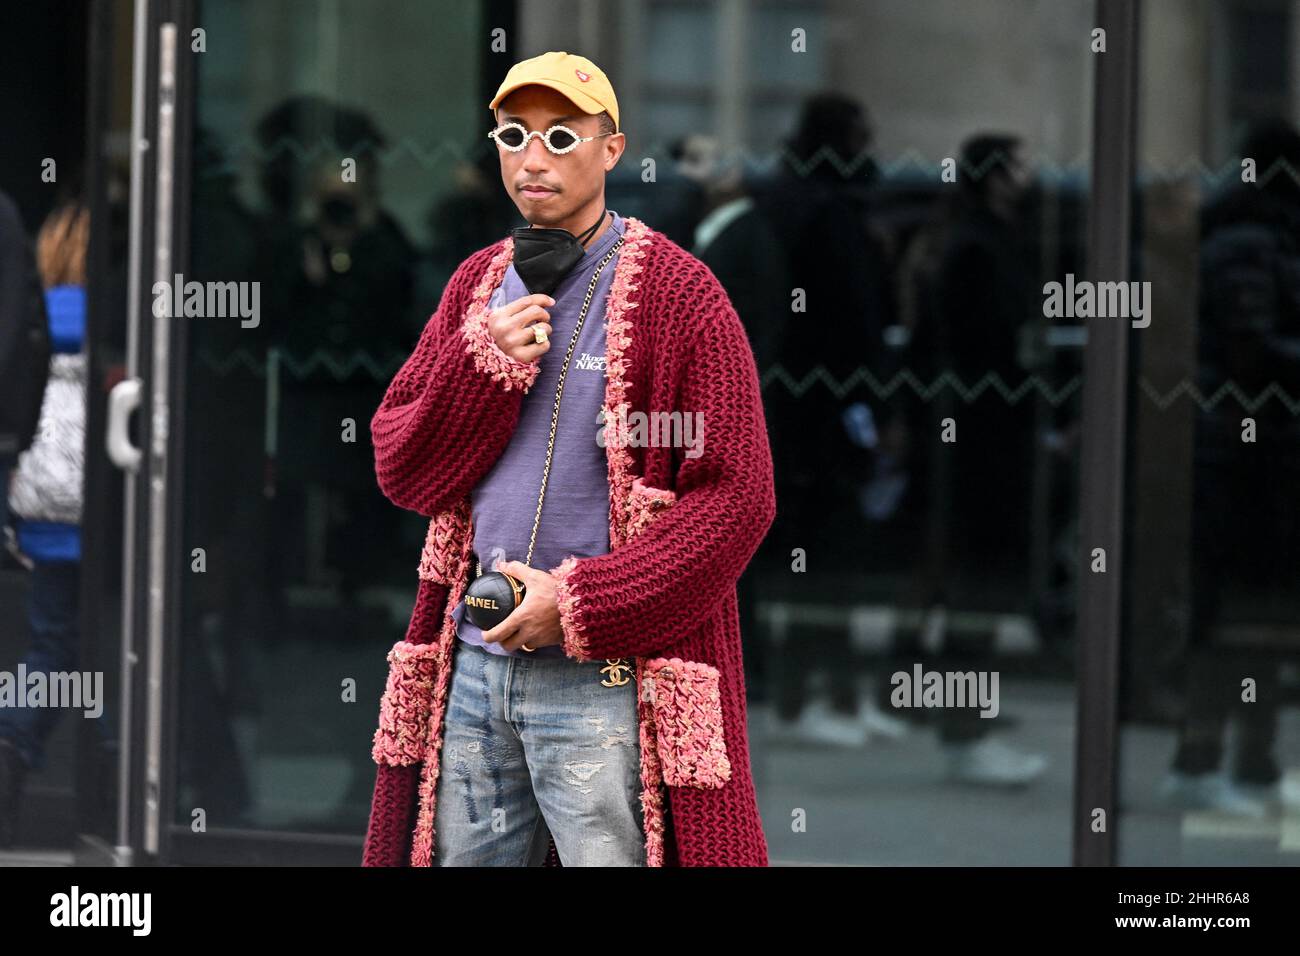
(1102, 470)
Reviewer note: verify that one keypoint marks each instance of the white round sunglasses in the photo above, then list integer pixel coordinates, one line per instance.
(558, 139)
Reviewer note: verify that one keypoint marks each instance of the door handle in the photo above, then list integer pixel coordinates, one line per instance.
(122, 401)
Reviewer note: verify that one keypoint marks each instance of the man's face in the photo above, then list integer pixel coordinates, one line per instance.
(699, 158)
(549, 189)
(341, 210)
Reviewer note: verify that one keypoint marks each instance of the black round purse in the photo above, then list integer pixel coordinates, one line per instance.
(491, 598)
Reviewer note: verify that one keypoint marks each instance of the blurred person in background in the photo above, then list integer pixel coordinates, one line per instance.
(973, 291)
(1245, 526)
(45, 498)
(24, 372)
(736, 241)
(338, 275)
(695, 159)
(833, 312)
(24, 349)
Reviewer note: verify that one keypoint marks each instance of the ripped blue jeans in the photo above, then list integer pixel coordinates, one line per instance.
(538, 747)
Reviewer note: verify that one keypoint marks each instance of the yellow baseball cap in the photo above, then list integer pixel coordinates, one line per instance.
(574, 76)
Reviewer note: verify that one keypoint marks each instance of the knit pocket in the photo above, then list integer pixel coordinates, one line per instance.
(687, 705)
(399, 740)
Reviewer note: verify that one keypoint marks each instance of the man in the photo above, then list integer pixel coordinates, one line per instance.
(24, 373)
(822, 196)
(1244, 528)
(24, 346)
(984, 294)
(741, 248)
(603, 722)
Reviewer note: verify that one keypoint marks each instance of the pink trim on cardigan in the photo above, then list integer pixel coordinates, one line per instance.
(574, 646)
(422, 839)
(652, 794)
(404, 709)
(488, 356)
(618, 338)
(688, 721)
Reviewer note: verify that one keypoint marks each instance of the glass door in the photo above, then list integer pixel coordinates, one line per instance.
(316, 148)
(129, 425)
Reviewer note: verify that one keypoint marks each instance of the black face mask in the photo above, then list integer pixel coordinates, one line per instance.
(543, 257)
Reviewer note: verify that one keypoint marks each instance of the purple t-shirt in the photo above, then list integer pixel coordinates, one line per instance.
(575, 514)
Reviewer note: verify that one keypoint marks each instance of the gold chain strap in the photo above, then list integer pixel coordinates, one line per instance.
(617, 668)
(559, 393)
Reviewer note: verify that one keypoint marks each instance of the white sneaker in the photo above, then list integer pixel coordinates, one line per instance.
(1210, 791)
(882, 723)
(1268, 795)
(1281, 797)
(990, 762)
(1289, 788)
(820, 725)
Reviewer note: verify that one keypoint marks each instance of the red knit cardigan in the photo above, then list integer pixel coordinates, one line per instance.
(684, 523)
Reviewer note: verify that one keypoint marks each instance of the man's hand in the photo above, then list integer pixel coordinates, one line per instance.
(512, 324)
(535, 622)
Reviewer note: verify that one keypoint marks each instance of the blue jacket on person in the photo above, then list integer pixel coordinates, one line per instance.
(46, 541)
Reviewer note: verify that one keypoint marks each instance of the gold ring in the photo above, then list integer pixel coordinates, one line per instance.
(539, 334)
(527, 648)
